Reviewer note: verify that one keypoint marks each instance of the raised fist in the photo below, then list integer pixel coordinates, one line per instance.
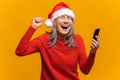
(37, 22)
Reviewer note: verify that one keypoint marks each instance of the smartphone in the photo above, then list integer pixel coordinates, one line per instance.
(96, 33)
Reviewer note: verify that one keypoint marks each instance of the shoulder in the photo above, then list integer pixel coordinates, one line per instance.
(43, 38)
(78, 39)
(44, 35)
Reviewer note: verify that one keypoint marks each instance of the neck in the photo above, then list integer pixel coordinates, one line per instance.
(61, 36)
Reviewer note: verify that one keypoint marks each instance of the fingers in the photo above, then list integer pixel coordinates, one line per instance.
(95, 43)
(97, 38)
(38, 19)
(36, 22)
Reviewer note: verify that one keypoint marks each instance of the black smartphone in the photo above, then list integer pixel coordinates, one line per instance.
(96, 33)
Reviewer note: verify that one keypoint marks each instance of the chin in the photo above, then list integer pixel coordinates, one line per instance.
(64, 33)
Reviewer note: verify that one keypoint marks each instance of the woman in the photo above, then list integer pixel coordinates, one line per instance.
(61, 50)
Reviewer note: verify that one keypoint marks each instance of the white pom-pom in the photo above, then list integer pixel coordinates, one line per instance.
(48, 23)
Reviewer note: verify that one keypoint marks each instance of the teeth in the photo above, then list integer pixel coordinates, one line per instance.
(64, 26)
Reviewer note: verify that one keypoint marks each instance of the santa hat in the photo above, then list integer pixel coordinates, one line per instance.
(59, 10)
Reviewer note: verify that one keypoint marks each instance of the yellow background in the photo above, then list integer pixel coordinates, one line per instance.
(15, 18)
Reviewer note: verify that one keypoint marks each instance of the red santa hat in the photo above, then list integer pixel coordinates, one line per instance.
(59, 10)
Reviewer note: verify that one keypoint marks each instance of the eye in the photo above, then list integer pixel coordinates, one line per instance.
(61, 17)
(69, 18)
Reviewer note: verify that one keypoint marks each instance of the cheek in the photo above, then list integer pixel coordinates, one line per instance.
(58, 24)
(59, 21)
(58, 28)
(71, 23)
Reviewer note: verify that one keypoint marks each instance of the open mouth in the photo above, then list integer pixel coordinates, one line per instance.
(64, 27)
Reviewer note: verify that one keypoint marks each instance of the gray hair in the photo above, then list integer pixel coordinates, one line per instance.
(69, 38)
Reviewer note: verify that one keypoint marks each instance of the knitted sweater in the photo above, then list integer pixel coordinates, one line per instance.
(58, 62)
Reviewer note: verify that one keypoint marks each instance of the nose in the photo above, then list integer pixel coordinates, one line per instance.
(66, 21)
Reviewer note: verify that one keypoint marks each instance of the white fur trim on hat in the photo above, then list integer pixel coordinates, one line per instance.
(49, 23)
(65, 11)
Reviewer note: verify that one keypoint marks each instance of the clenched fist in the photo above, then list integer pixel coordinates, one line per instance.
(37, 22)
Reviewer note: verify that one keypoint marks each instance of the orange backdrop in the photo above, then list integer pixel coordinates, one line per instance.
(15, 18)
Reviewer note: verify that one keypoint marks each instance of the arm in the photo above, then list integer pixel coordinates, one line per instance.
(85, 62)
(26, 46)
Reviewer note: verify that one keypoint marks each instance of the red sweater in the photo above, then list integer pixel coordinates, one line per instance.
(58, 63)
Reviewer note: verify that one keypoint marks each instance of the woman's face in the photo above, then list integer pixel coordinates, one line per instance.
(63, 25)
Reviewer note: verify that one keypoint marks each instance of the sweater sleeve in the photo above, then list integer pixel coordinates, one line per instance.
(85, 62)
(26, 46)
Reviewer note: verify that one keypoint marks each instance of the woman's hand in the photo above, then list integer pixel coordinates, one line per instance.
(94, 45)
(37, 22)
